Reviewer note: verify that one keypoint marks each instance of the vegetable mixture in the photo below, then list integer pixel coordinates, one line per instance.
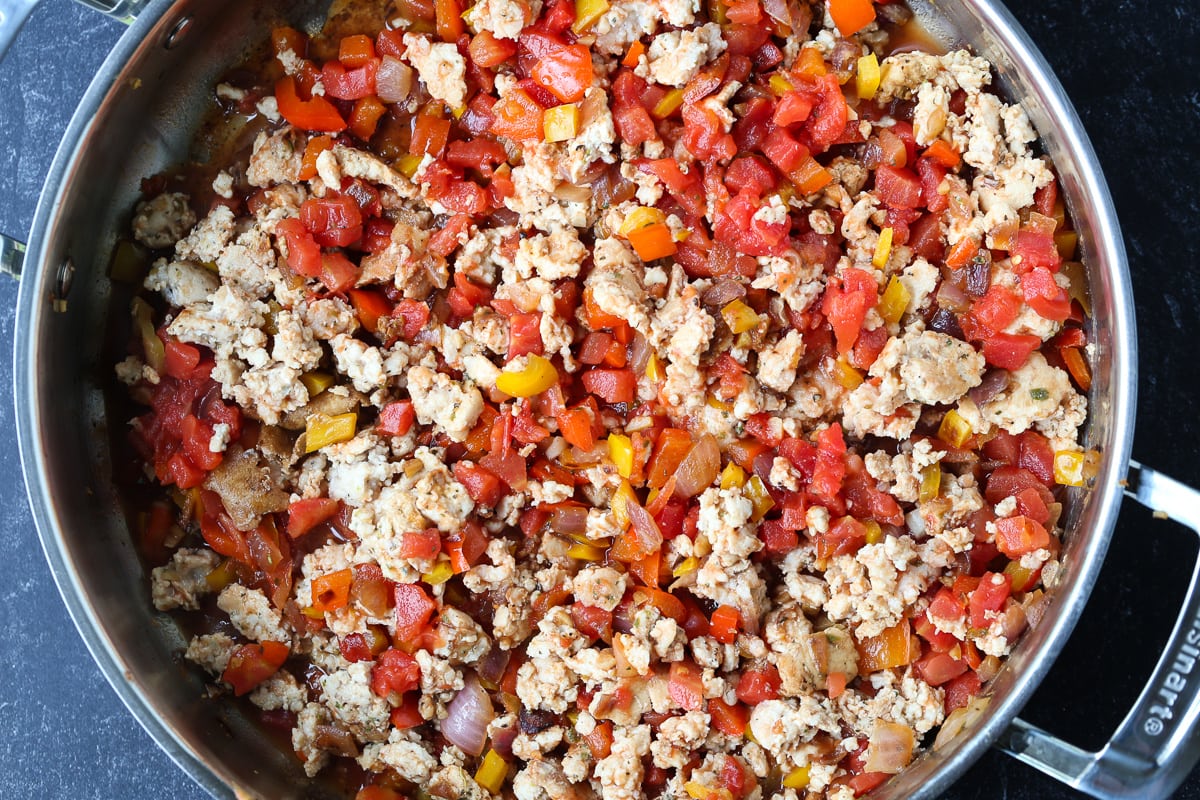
(610, 398)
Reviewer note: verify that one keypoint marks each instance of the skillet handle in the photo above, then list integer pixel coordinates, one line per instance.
(1154, 749)
(13, 14)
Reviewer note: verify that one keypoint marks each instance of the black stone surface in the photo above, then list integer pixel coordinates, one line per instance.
(1131, 67)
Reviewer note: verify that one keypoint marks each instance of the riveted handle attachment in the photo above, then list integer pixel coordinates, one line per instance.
(1155, 748)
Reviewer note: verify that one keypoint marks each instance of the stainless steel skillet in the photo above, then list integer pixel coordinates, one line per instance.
(138, 117)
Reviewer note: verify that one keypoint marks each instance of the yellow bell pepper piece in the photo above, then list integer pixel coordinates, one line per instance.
(585, 552)
(874, 532)
(221, 575)
(894, 301)
(408, 165)
(619, 504)
(797, 778)
(698, 791)
(883, 249)
(758, 495)
(152, 346)
(739, 316)
(620, 450)
(954, 430)
(492, 772)
(586, 14)
(1068, 468)
(779, 84)
(654, 368)
(641, 217)
(686, 567)
(670, 103)
(733, 476)
(321, 430)
(931, 483)
(719, 405)
(561, 122)
(316, 382)
(867, 80)
(847, 376)
(440, 572)
(537, 376)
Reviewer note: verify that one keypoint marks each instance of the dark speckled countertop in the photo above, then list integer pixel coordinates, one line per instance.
(1133, 70)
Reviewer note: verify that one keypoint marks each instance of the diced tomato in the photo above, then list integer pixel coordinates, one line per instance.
(846, 303)
(961, 690)
(1009, 350)
(566, 73)
(484, 488)
(897, 187)
(991, 594)
(413, 316)
(429, 135)
(1016, 536)
(1035, 249)
(349, 84)
(750, 174)
(829, 117)
(996, 310)
(611, 385)
(303, 252)
(396, 418)
(794, 107)
(482, 155)
(939, 641)
(377, 236)
(1031, 504)
(406, 715)
(730, 720)
(487, 50)
(575, 425)
(413, 610)
(946, 605)
(864, 782)
(593, 622)
(517, 116)
(181, 359)
(759, 684)
(251, 664)
(395, 672)
(524, 335)
(932, 174)
(1045, 296)
(466, 547)
(424, 544)
(938, 668)
(686, 686)
(704, 134)
(725, 623)
(830, 469)
(304, 515)
(333, 221)
(777, 537)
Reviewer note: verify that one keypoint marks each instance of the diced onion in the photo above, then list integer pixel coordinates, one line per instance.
(699, 467)
(569, 520)
(891, 748)
(959, 720)
(393, 80)
(468, 716)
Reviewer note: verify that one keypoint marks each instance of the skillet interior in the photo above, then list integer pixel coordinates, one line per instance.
(137, 119)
